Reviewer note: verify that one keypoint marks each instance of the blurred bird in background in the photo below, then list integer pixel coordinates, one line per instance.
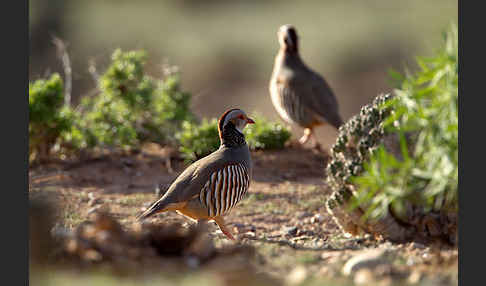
(300, 95)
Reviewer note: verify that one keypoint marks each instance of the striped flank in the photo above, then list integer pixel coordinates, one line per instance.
(225, 189)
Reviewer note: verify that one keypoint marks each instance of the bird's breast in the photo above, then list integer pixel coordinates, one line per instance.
(224, 189)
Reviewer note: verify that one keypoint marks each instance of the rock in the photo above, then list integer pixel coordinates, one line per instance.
(368, 259)
(290, 230)
(157, 190)
(250, 234)
(93, 200)
(297, 276)
(414, 277)
(98, 208)
(330, 256)
(317, 218)
(416, 245)
(302, 214)
(363, 276)
(91, 196)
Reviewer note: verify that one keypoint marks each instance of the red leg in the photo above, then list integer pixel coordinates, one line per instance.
(220, 222)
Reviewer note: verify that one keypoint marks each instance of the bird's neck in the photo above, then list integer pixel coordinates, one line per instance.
(231, 137)
(288, 56)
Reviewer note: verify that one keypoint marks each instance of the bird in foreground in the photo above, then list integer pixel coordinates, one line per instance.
(210, 187)
(300, 95)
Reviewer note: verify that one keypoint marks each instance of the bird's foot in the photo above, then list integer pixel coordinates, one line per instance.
(222, 226)
(304, 139)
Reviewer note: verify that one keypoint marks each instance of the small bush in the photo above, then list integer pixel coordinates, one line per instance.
(266, 135)
(131, 107)
(48, 118)
(393, 168)
(426, 175)
(198, 141)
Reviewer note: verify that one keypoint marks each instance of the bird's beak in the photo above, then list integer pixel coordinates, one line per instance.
(250, 121)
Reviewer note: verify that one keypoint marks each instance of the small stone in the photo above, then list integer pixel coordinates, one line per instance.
(193, 262)
(363, 276)
(92, 255)
(414, 277)
(324, 271)
(368, 259)
(303, 214)
(98, 208)
(328, 255)
(297, 276)
(91, 196)
(387, 281)
(94, 202)
(250, 234)
(290, 230)
(94, 209)
(417, 245)
(157, 190)
(317, 218)
(147, 204)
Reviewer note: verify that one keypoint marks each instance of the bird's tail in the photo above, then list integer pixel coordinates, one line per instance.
(153, 209)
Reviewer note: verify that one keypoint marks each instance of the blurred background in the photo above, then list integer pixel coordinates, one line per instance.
(225, 49)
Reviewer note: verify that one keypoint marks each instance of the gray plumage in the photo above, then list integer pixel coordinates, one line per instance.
(190, 183)
(299, 94)
(210, 187)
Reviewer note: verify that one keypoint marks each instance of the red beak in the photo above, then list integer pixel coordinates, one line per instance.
(250, 121)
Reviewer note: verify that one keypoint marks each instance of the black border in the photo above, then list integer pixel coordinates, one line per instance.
(471, 144)
(14, 23)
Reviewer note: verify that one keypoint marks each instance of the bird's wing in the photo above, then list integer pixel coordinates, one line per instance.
(317, 96)
(193, 179)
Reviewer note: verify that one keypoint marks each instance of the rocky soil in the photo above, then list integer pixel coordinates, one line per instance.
(282, 223)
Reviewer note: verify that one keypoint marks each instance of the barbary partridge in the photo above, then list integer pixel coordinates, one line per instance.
(211, 186)
(300, 95)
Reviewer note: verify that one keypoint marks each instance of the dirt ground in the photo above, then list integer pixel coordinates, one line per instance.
(283, 216)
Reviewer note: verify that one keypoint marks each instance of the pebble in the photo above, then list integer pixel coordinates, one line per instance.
(328, 255)
(297, 276)
(368, 259)
(414, 277)
(414, 245)
(363, 276)
(317, 218)
(303, 214)
(290, 230)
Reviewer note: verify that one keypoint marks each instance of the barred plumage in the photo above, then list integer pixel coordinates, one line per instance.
(225, 189)
(211, 186)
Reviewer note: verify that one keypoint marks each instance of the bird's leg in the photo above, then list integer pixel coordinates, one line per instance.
(315, 144)
(220, 222)
(307, 135)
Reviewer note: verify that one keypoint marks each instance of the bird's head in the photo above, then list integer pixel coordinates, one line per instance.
(287, 37)
(235, 118)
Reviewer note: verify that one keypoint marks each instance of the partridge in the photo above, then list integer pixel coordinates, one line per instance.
(300, 95)
(210, 187)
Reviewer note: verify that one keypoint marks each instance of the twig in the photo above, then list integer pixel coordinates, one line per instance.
(66, 62)
(93, 71)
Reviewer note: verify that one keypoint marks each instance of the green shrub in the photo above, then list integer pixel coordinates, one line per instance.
(48, 119)
(266, 135)
(198, 141)
(131, 107)
(426, 175)
(393, 168)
